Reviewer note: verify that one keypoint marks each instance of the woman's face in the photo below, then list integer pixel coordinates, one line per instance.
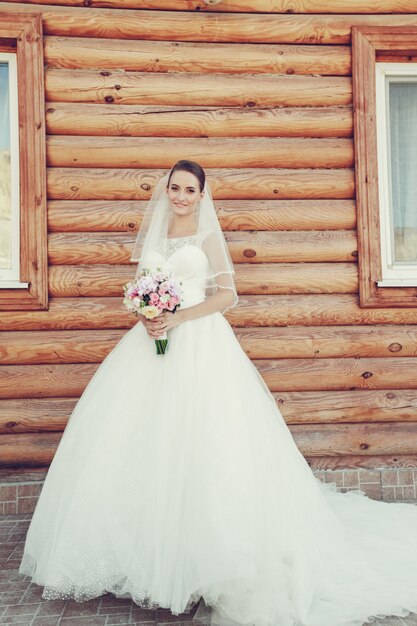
(184, 193)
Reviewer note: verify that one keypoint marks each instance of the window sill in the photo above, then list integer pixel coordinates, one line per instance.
(13, 284)
(397, 282)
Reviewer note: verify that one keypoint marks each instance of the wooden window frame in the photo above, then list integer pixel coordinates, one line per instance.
(393, 274)
(370, 44)
(22, 33)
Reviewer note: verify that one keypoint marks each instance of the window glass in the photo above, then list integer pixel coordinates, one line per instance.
(402, 95)
(5, 171)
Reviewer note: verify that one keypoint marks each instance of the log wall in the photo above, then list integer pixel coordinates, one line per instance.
(260, 93)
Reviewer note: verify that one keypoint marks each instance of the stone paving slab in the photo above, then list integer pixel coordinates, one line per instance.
(21, 602)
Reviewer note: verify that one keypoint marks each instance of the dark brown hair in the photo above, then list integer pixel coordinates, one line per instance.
(189, 166)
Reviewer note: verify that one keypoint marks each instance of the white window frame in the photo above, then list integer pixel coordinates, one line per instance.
(393, 274)
(10, 277)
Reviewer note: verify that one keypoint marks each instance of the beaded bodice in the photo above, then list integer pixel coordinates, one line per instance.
(175, 243)
(187, 261)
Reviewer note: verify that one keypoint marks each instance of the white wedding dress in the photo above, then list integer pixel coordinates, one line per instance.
(177, 479)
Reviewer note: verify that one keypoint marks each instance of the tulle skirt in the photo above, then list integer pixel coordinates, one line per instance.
(177, 479)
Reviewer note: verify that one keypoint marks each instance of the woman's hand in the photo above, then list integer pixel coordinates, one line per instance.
(160, 324)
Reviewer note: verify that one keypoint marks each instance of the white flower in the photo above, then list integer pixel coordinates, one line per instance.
(150, 311)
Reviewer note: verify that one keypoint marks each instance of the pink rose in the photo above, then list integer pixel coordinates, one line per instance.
(171, 304)
(153, 298)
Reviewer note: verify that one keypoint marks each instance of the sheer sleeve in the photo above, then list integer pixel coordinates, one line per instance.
(221, 274)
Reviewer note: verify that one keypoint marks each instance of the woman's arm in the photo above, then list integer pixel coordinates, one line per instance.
(220, 301)
(224, 298)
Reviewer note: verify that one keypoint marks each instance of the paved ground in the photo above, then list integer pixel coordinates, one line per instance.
(21, 602)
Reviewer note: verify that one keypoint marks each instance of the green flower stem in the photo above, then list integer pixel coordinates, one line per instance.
(161, 345)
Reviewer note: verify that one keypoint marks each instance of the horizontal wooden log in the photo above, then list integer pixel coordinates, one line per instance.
(100, 280)
(92, 346)
(57, 347)
(71, 313)
(358, 439)
(250, 6)
(28, 449)
(39, 467)
(262, 215)
(91, 248)
(22, 474)
(313, 310)
(43, 381)
(37, 415)
(155, 152)
(328, 463)
(252, 247)
(130, 120)
(355, 439)
(331, 407)
(265, 278)
(162, 56)
(262, 6)
(266, 90)
(205, 27)
(287, 246)
(328, 342)
(96, 215)
(267, 215)
(260, 310)
(333, 374)
(131, 184)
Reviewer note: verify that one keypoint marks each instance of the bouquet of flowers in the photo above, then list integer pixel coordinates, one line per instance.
(151, 294)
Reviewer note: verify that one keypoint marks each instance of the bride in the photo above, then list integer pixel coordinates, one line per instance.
(177, 480)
